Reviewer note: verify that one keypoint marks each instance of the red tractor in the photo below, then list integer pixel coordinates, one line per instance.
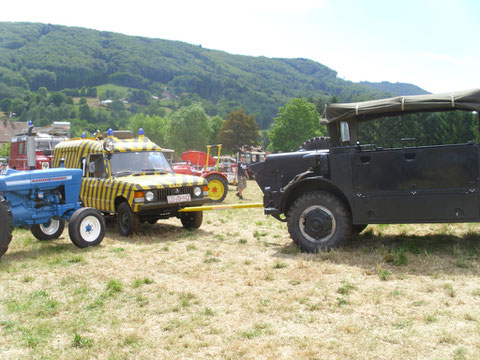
(202, 164)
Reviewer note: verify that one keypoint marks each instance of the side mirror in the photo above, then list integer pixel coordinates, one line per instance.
(344, 131)
(91, 167)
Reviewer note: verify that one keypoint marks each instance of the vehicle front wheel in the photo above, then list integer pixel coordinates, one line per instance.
(191, 220)
(6, 226)
(319, 221)
(217, 187)
(127, 221)
(86, 227)
(48, 231)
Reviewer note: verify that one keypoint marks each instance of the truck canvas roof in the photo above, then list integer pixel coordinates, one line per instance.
(468, 100)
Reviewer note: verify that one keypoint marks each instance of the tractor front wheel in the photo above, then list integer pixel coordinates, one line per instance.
(48, 231)
(6, 226)
(217, 187)
(86, 227)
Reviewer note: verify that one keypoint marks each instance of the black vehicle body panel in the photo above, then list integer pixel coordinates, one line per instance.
(405, 185)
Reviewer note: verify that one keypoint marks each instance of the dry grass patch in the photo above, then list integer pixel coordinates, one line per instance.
(239, 289)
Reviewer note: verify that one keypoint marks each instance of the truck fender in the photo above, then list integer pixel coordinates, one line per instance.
(309, 184)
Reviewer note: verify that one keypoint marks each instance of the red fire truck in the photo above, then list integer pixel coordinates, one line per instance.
(45, 140)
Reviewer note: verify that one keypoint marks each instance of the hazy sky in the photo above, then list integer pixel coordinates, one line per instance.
(430, 43)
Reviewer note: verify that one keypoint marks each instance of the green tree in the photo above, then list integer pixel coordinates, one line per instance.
(215, 124)
(5, 105)
(43, 91)
(237, 130)
(296, 122)
(86, 113)
(153, 126)
(18, 106)
(188, 129)
(5, 150)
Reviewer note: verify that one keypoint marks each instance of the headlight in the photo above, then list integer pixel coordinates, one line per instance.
(197, 191)
(149, 196)
(45, 165)
(108, 145)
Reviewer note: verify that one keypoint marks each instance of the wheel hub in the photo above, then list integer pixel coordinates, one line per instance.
(318, 223)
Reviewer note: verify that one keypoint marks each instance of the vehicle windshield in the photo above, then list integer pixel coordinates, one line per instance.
(139, 161)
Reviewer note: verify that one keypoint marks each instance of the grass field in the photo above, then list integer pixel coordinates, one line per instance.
(238, 289)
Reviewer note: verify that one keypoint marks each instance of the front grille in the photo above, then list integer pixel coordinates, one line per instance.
(163, 193)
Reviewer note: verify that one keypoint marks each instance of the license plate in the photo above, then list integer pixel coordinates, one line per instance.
(178, 198)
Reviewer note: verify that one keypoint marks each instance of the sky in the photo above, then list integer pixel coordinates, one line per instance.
(429, 43)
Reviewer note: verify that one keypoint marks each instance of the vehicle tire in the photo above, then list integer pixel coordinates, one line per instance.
(6, 226)
(217, 187)
(357, 229)
(48, 231)
(316, 143)
(191, 220)
(127, 221)
(86, 227)
(319, 221)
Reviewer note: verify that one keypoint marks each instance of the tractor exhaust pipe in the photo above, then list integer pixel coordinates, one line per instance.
(31, 161)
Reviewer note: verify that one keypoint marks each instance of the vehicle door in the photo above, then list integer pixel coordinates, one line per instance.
(93, 188)
(416, 184)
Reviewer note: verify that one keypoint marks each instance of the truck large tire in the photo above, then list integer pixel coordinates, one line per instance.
(316, 143)
(86, 227)
(50, 231)
(319, 221)
(6, 226)
(127, 221)
(217, 187)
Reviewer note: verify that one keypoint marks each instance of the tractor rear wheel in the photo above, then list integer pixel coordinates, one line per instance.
(86, 227)
(6, 226)
(217, 187)
(48, 231)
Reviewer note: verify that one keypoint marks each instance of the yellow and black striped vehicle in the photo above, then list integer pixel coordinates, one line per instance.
(132, 179)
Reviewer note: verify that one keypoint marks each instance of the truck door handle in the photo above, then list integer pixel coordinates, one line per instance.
(409, 156)
(365, 159)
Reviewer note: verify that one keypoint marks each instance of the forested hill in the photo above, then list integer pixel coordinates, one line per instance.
(395, 88)
(36, 55)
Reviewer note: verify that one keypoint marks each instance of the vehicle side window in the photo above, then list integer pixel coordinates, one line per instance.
(21, 148)
(96, 166)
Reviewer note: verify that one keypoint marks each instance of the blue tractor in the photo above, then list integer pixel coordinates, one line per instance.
(43, 200)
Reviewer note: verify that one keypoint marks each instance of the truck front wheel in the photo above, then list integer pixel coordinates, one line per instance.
(319, 221)
(191, 220)
(6, 226)
(127, 221)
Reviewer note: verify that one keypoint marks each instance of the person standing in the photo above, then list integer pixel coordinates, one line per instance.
(242, 175)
